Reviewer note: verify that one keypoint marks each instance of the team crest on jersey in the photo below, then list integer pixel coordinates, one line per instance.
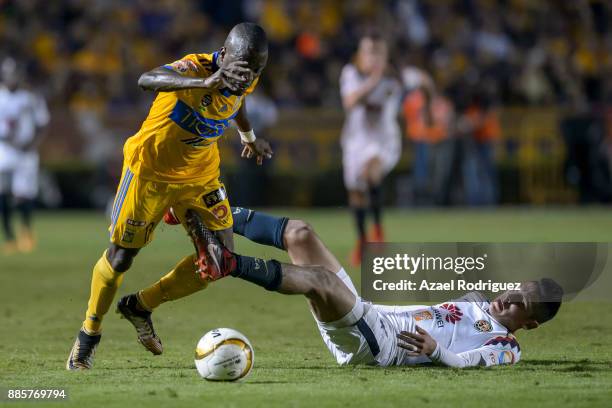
(483, 326)
(423, 315)
(453, 312)
(214, 197)
(205, 101)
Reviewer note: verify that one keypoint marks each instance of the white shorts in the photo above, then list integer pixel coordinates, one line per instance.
(371, 340)
(25, 176)
(356, 155)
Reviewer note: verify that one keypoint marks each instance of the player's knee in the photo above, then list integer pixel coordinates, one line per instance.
(120, 258)
(322, 282)
(298, 233)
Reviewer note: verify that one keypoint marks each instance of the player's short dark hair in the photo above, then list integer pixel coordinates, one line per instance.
(550, 298)
(246, 40)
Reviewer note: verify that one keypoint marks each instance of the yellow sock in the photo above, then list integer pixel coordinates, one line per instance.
(180, 282)
(104, 284)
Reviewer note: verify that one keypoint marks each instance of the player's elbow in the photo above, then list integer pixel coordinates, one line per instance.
(146, 81)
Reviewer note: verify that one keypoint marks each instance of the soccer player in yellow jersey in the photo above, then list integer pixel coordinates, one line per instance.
(173, 161)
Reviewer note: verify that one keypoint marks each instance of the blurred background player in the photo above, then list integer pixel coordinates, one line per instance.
(371, 141)
(173, 160)
(23, 116)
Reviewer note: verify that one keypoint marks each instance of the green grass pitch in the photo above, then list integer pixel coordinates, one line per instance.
(43, 295)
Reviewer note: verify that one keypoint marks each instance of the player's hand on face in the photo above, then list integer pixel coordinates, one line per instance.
(237, 75)
(418, 343)
(260, 149)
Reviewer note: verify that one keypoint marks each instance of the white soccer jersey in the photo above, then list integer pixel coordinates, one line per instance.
(24, 110)
(22, 113)
(462, 327)
(466, 334)
(370, 128)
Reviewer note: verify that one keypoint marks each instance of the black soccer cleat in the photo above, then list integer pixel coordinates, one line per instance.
(83, 351)
(141, 320)
(213, 260)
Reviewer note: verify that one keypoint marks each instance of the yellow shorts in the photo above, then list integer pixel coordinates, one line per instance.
(140, 205)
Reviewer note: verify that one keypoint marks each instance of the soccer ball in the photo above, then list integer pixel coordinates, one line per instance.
(224, 355)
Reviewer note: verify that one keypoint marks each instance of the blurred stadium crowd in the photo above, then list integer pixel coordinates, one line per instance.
(91, 51)
(86, 56)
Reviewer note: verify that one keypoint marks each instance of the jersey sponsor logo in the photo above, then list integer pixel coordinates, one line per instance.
(453, 312)
(483, 326)
(135, 223)
(423, 315)
(214, 197)
(192, 121)
(438, 315)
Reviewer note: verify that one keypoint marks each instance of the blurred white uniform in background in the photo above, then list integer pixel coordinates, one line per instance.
(22, 114)
(370, 129)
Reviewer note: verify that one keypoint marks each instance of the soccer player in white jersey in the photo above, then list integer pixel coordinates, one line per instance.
(469, 331)
(23, 114)
(371, 139)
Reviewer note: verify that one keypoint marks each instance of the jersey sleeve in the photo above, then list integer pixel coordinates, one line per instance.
(188, 66)
(490, 354)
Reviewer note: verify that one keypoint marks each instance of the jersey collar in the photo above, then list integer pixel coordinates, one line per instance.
(215, 55)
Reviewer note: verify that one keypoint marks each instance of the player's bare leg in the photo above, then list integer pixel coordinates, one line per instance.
(329, 297)
(306, 248)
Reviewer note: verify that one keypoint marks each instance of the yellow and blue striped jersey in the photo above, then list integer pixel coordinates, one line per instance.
(177, 142)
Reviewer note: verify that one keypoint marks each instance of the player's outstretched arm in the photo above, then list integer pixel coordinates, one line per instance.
(162, 79)
(421, 343)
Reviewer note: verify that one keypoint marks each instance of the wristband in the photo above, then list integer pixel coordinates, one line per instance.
(247, 137)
